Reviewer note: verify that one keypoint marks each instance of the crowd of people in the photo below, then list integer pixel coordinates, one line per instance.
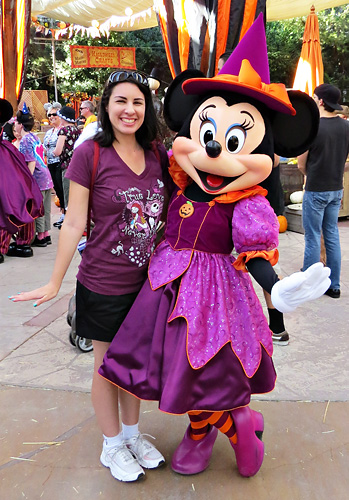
(120, 178)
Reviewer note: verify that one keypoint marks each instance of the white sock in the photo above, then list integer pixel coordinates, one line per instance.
(113, 442)
(129, 430)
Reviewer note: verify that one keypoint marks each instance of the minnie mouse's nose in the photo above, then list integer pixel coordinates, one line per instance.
(213, 149)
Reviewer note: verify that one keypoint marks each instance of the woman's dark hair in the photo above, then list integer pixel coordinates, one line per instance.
(25, 119)
(149, 130)
(225, 56)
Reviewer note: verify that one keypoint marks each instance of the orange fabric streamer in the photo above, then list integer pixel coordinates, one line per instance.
(223, 23)
(249, 15)
(20, 42)
(183, 39)
(163, 28)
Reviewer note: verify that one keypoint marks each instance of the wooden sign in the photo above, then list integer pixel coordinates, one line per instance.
(102, 57)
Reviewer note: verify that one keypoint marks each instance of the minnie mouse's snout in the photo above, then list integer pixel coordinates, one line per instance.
(213, 149)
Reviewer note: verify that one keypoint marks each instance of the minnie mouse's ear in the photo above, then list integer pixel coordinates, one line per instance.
(178, 105)
(6, 111)
(294, 134)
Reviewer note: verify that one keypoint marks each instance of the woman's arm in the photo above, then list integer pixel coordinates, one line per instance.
(70, 234)
(60, 144)
(302, 162)
(31, 166)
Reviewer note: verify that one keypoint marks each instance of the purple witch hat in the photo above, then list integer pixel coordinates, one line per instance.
(247, 72)
(253, 47)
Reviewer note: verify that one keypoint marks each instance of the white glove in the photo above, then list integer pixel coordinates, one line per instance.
(288, 293)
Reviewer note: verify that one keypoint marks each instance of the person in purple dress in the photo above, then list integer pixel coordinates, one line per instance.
(20, 196)
(128, 197)
(196, 338)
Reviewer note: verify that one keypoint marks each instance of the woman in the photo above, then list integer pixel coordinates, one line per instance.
(53, 163)
(114, 262)
(66, 137)
(17, 137)
(32, 149)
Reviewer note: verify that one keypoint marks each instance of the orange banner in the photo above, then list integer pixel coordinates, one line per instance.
(102, 57)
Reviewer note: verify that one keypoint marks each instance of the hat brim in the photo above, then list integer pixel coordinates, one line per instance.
(6, 110)
(333, 105)
(70, 120)
(205, 85)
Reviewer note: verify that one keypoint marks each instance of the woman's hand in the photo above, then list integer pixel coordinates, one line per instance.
(41, 295)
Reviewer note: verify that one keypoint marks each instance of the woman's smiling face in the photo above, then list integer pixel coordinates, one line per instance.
(126, 108)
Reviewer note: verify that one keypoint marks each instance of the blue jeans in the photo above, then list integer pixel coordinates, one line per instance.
(320, 213)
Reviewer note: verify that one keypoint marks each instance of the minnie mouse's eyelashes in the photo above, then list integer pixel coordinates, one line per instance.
(247, 124)
(203, 116)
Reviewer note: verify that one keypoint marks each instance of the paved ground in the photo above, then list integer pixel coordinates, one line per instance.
(50, 442)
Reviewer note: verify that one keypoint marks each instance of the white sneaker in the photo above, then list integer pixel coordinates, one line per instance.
(146, 454)
(122, 464)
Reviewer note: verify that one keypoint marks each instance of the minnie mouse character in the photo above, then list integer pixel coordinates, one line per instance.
(196, 339)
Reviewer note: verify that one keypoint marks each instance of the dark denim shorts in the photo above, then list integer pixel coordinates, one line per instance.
(98, 317)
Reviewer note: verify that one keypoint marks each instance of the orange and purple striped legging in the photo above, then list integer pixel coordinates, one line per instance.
(200, 422)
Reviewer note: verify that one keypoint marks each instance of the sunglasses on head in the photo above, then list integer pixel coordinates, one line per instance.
(122, 76)
(51, 114)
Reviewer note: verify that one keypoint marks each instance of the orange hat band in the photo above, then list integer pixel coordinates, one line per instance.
(248, 82)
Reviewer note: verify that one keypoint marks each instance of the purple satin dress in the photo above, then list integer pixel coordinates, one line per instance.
(20, 196)
(196, 337)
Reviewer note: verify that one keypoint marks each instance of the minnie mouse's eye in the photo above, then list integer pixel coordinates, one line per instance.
(207, 133)
(235, 139)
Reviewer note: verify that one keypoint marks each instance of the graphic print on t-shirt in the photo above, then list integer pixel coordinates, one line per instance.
(39, 154)
(140, 218)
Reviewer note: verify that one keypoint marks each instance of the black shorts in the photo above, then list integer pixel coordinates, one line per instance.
(98, 317)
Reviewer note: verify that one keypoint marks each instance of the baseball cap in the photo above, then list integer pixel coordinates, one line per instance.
(330, 94)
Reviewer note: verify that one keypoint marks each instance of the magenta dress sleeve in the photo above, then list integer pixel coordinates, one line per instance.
(255, 230)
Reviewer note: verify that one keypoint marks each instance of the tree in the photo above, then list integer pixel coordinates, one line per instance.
(284, 39)
(284, 42)
(150, 52)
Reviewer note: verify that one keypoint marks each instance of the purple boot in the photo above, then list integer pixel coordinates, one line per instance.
(249, 450)
(192, 457)
(258, 420)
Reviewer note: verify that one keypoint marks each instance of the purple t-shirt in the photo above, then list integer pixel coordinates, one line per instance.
(126, 211)
(32, 149)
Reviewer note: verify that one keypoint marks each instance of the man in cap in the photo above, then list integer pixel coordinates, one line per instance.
(323, 164)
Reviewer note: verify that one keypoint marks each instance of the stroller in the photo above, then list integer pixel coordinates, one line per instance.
(85, 345)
